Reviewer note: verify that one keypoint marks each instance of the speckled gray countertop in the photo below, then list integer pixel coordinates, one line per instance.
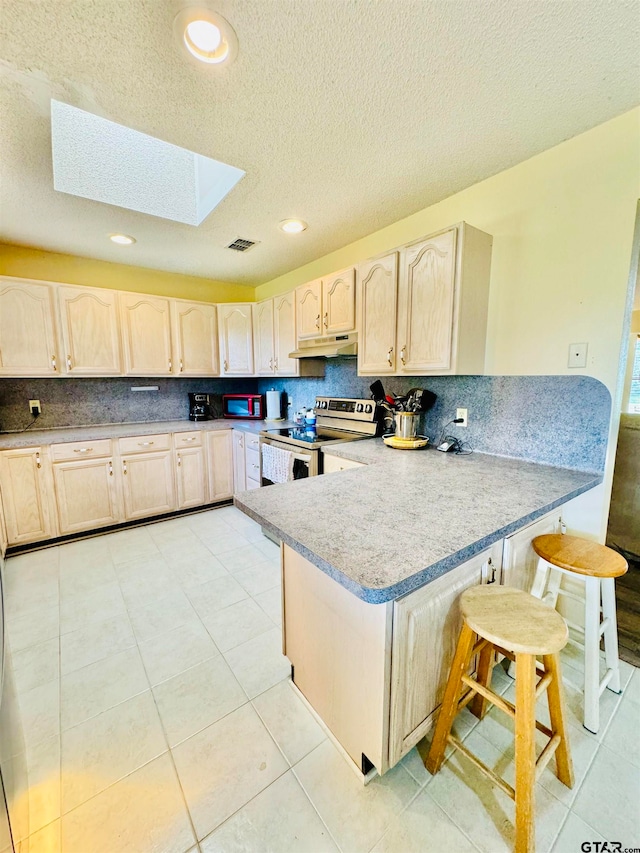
(33, 438)
(408, 516)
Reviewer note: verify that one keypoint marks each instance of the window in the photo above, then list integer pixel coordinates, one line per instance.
(634, 397)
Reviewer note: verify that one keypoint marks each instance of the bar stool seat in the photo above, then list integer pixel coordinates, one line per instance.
(597, 566)
(519, 626)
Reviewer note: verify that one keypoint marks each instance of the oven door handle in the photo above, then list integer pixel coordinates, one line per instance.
(299, 456)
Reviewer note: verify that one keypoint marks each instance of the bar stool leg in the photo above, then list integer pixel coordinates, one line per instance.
(611, 633)
(449, 707)
(557, 714)
(479, 705)
(591, 719)
(525, 753)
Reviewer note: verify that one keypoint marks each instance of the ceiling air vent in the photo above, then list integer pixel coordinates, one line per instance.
(240, 245)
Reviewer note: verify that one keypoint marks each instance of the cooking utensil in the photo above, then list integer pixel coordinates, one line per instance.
(377, 391)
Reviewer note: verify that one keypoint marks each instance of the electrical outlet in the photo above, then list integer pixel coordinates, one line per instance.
(34, 407)
(462, 413)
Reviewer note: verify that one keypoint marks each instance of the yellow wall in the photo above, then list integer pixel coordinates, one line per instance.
(563, 225)
(51, 266)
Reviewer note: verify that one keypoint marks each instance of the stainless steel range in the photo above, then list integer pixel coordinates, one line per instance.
(338, 419)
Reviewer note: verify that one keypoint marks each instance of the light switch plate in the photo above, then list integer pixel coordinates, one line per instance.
(578, 355)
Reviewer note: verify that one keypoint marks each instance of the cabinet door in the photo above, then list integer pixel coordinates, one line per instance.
(86, 494)
(196, 337)
(146, 334)
(90, 331)
(378, 313)
(519, 560)
(236, 339)
(263, 338)
(191, 475)
(339, 302)
(148, 484)
(27, 330)
(308, 309)
(27, 493)
(220, 465)
(284, 333)
(426, 627)
(239, 465)
(427, 296)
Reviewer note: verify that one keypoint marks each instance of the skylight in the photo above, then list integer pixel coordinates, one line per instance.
(98, 159)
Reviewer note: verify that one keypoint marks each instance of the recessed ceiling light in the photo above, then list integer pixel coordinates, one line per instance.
(293, 226)
(122, 239)
(205, 35)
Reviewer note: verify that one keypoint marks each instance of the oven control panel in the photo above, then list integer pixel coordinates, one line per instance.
(346, 408)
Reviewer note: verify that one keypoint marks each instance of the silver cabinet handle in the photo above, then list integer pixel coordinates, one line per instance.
(225, 364)
(318, 322)
(69, 362)
(83, 450)
(389, 354)
(53, 362)
(403, 353)
(124, 466)
(110, 468)
(145, 443)
(38, 464)
(193, 438)
(326, 320)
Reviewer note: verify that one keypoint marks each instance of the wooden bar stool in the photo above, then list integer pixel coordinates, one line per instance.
(516, 625)
(599, 566)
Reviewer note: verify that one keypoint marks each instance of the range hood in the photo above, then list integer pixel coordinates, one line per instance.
(329, 346)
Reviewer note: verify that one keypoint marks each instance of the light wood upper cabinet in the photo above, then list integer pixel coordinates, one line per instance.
(263, 339)
(284, 332)
(425, 325)
(236, 339)
(90, 331)
(377, 287)
(442, 304)
(27, 492)
(339, 302)
(220, 465)
(309, 309)
(195, 334)
(146, 334)
(28, 344)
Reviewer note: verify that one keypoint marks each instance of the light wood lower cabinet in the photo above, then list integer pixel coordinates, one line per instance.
(87, 494)
(375, 673)
(27, 492)
(220, 446)
(191, 469)
(519, 560)
(331, 464)
(147, 476)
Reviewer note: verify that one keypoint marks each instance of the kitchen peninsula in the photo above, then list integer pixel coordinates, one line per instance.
(374, 561)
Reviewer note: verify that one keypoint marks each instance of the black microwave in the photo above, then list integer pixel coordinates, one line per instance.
(243, 406)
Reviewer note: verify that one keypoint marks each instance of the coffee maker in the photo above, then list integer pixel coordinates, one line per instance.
(200, 407)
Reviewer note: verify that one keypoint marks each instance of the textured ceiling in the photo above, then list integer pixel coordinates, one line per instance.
(349, 114)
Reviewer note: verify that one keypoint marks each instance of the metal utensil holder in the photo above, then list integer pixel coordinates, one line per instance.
(407, 424)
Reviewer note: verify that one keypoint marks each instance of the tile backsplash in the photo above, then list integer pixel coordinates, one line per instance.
(556, 420)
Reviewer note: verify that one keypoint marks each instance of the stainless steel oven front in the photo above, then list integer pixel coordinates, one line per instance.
(305, 461)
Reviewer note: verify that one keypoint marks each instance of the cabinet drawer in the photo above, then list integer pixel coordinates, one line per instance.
(252, 484)
(252, 442)
(187, 439)
(80, 449)
(145, 443)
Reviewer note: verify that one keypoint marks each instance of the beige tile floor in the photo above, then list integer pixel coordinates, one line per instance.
(159, 718)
